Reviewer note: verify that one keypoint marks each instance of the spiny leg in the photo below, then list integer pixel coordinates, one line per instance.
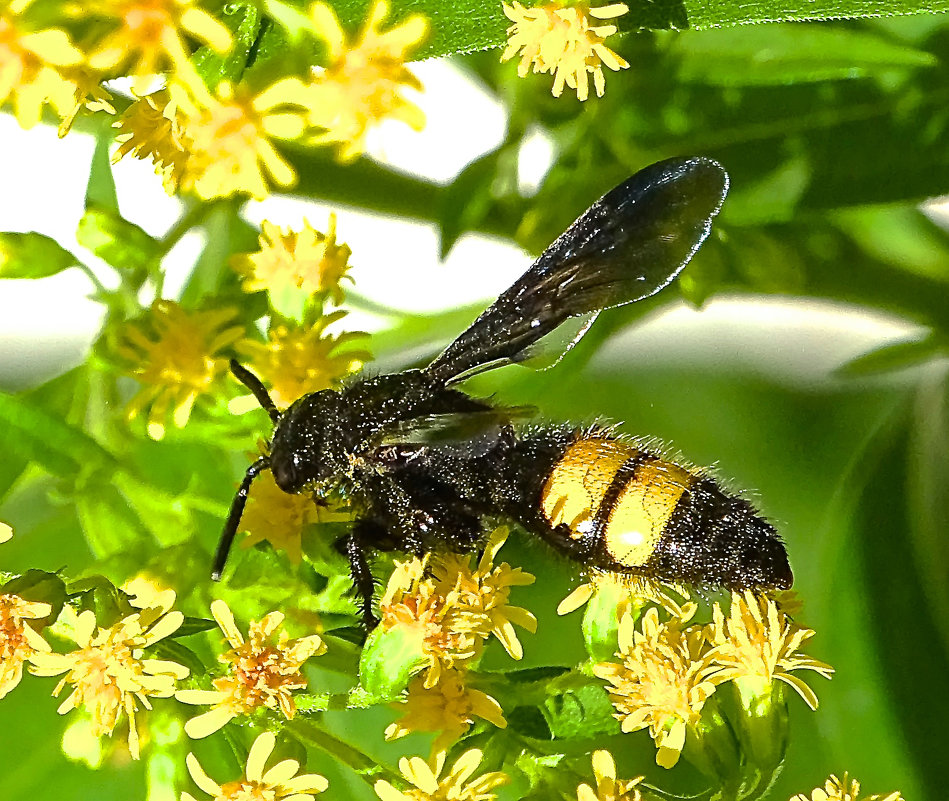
(354, 547)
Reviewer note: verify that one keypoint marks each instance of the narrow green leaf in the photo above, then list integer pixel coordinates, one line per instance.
(100, 190)
(123, 245)
(61, 449)
(896, 356)
(702, 14)
(244, 20)
(783, 54)
(32, 255)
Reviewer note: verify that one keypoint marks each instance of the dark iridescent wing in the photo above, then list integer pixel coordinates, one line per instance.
(474, 433)
(627, 246)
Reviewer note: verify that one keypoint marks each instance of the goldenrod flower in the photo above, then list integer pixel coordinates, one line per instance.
(307, 259)
(631, 593)
(18, 640)
(662, 682)
(151, 127)
(455, 609)
(89, 94)
(6, 532)
(261, 673)
(279, 783)
(297, 361)
(32, 64)
(176, 354)
(608, 788)
(412, 605)
(478, 600)
(109, 674)
(277, 517)
(363, 82)
(757, 643)
(454, 786)
(148, 37)
(845, 789)
(228, 137)
(563, 40)
(449, 708)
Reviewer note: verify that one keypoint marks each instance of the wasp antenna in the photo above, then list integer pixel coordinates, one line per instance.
(237, 509)
(253, 383)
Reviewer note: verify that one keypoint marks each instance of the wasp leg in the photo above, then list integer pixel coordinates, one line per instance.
(355, 547)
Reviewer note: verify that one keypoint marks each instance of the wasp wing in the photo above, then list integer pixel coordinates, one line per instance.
(627, 246)
(469, 434)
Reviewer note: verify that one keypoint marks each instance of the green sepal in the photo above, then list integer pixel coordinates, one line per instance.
(39, 585)
(32, 255)
(389, 660)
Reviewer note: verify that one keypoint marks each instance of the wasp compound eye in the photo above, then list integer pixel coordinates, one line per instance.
(286, 472)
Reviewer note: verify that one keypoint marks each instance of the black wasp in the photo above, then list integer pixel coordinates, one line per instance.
(423, 464)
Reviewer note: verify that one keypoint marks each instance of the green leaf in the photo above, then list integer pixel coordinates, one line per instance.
(123, 245)
(581, 712)
(740, 12)
(46, 440)
(895, 356)
(467, 201)
(100, 190)
(32, 255)
(782, 54)
(245, 21)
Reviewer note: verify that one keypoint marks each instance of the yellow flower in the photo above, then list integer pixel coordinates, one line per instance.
(89, 94)
(426, 785)
(175, 353)
(262, 673)
(845, 789)
(631, 593)
(151, 127)
(297, 361)
(148, 37)
(6, 532)
(109, 673)
(277, 516)
(278, 783)
(608, 788)
(449, 708)
(478, 600)
(560, 39)
(18, 640)
(757, 643)
(363, 81)
(228, 137)
(32, 64)
(662, 682)
(412, 604)
(456, 609)
(307, 259)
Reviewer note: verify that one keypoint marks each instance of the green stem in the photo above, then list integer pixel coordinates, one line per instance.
(312, 735)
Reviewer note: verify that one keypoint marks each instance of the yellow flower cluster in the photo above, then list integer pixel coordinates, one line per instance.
(42, 65)
(668, 669)
(453, 609)
(213, 143)
(261, 673)
(221, 143)
(109, 672)
(845, 789)
(560, 38)
(428, 783)
(282, 782)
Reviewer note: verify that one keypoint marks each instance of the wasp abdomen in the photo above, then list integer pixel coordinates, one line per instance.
(632, 511)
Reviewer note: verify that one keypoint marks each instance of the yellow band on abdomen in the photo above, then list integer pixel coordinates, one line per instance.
(576, 486)
(642, 510)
